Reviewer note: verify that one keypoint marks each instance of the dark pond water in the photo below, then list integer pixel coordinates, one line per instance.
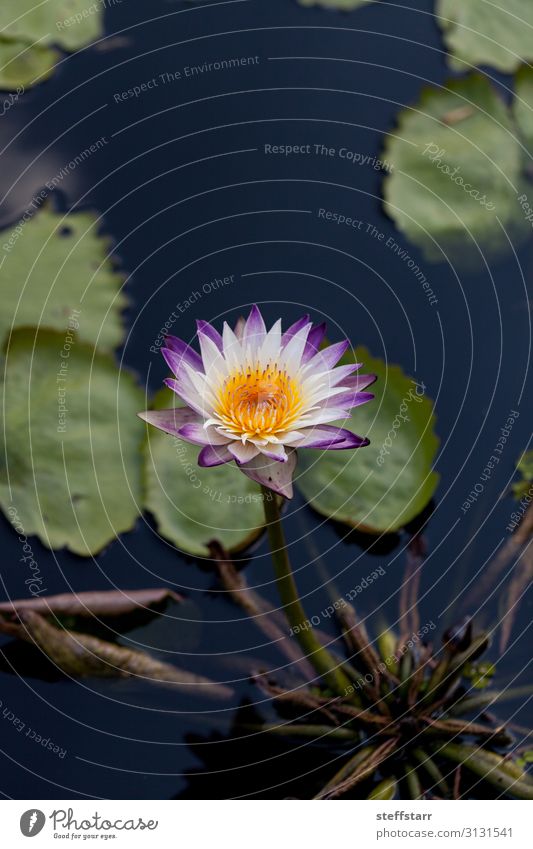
(188, 194)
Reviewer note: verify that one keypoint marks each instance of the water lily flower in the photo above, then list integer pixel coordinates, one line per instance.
(254, 396)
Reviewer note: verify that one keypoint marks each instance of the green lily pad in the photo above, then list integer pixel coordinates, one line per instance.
(482, 32)
(191, 505)
(457, 165)
(55, 272)
(22, 65)
(72, 477)
(523, 107)
(346, 5)
(30, 28)
(382, 487)
(69, 23)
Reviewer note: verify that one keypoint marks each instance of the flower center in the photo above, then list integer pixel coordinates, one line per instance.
(259, 402)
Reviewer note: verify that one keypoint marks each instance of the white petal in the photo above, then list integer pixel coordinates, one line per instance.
(291, 356)
(291, 437)
(274, 452)
(254, 330)
(323, 394)
(243, 453)
(214, 363)
(322, 416)
(270, 349)
(273, 475)
(233, 351)
(202, 388)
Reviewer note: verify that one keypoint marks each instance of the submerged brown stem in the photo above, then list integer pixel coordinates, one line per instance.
(362, 766)
(509, 550)
(82, 656)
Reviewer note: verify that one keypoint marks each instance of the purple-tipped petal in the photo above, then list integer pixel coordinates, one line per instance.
(212, 358)
(348, 400)
(352, 441)
(176, 362)
(185, 394)
(314, 341)
(293, 351)
(358, 382)
(214, 455)
(184, 352)
(254, 330)
(170, 421)
(294, 328)
(328, 358)
(272, 474)
(209, 331)
(339, 374)
(196, 433)
(331, 438)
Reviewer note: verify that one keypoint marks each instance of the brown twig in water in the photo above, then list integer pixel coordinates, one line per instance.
(84, 656)
(457, 784)
(523, 576)
(97, 603)
(409, 619)
(509, 550)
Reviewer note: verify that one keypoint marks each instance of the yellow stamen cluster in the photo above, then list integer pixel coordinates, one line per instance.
(259, 402)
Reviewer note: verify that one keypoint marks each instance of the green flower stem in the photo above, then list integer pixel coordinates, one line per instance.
(322, 661)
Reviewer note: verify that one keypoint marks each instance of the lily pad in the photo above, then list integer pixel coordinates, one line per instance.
(191, 505)
(22, 65)
(70, 467)
(346, 5)
(483, 32)
(457, 165)
(523, 108)
(382, 487)
(30, 28)
(55, 272)
(69, 23)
